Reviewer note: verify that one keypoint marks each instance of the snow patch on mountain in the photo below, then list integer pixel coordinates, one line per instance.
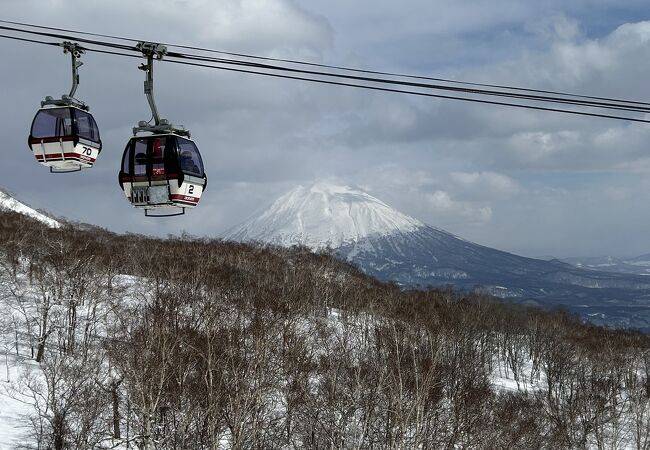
(9, 203)
(323, 215)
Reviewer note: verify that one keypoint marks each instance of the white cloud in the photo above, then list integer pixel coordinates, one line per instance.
(269, 27)
(491, 183)
(444, 208)
(279, 25)
(532, 147)
(555, 27)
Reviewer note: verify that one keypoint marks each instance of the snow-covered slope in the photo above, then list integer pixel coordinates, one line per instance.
(323, 215)
(393, 246)
(9, 203)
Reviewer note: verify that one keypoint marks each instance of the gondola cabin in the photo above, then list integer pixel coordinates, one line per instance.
(65, 138)
(162, 171)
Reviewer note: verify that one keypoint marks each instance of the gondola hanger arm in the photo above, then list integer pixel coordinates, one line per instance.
(75, 51)
(153, 51)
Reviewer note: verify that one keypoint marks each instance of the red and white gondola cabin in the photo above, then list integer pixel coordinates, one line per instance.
(162, 171)
(65, 138)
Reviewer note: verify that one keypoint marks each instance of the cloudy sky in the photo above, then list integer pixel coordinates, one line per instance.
(532, 183)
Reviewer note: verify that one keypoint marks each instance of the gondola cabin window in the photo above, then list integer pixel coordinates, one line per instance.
(190, 158)
(158, 156)
(126, 164)
(55, 122)
(86, 126)
(140, 160)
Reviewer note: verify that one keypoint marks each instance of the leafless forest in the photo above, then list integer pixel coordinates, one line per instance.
(186, 343)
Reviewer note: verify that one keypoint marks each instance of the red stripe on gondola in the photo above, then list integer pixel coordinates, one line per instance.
(185, 198)
(65, 157)
(180, 202)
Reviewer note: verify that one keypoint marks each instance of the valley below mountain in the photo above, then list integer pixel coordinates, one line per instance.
(639, 265)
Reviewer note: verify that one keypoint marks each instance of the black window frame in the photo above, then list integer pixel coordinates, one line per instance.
(167, 147)
(126, 156)
(147, 157)
(91, 120)
(56, 134)
(170, 156)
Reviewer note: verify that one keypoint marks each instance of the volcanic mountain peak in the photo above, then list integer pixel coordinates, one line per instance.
(323, 215)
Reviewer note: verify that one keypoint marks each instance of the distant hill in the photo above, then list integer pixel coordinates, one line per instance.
(9, 203)
(639, 265)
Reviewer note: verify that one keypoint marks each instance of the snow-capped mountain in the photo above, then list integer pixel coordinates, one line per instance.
(393, 246)
(323, 215)
(9, 203)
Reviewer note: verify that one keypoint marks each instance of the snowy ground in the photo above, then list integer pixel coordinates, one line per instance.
(15, 408)
(503, 380)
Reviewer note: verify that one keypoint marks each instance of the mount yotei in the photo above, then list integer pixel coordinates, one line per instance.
(322, 216)
(392, 246)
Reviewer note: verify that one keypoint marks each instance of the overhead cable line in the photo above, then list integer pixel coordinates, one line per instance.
(605, 105)
(34, 41)
(189, 59)
(377, 88)
(618, 105)
(417, 93)
(538, 98)
(374, 72)
(70, 37)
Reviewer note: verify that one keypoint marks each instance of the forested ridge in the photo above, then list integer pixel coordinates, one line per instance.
(186, 343)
